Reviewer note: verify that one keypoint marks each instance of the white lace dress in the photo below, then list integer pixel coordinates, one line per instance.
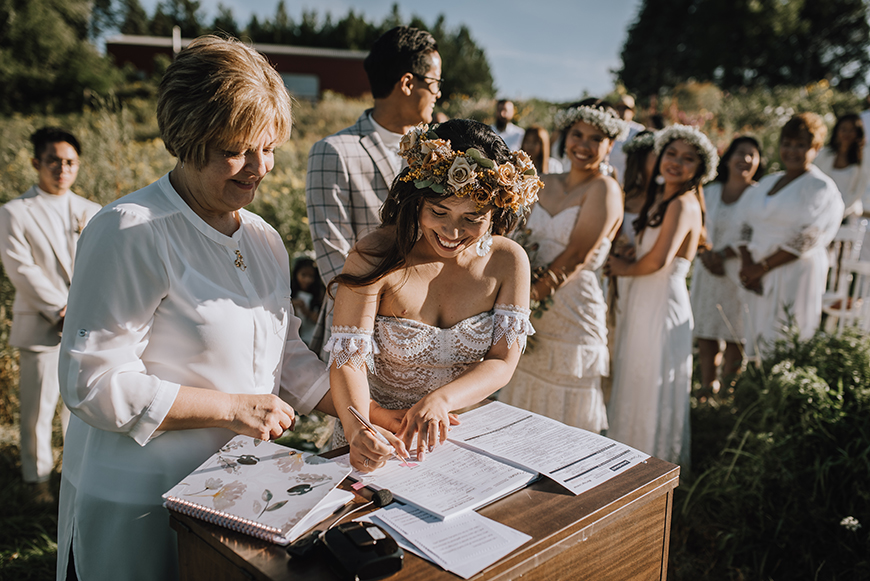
(407, 359)
(559, 376)
(652, 371)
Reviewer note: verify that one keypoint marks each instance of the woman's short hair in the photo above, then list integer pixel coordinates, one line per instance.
(722, 170)
(809, 122)
(217, 93)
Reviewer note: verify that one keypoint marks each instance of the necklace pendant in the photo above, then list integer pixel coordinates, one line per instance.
(240, 261)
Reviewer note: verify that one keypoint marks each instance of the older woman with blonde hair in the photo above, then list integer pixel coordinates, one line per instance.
(787, 223)
(180, 332)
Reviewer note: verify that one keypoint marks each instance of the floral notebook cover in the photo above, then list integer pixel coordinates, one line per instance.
(257, 487)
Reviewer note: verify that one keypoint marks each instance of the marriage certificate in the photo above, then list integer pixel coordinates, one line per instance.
(576, 459)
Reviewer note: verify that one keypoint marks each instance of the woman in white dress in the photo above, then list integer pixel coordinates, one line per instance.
(431, 309)
(568, 237)
(649, 406)
(180, 332)
(788, 222)
(715, 278)
(843, 161)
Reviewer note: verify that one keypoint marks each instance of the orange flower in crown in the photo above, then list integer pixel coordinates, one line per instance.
(433, 164)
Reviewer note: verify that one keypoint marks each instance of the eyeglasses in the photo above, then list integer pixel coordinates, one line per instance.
(69, 164)
(438, 83)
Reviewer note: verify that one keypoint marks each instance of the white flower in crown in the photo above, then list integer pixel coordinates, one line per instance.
(461, 173)
(410, 139)
(506, 174)
(706, 150)
(612, 126)
(639, 142)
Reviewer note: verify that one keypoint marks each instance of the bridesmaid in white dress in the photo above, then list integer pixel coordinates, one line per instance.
(843, 161)
(649, 407)
(788, 222)
(715, 278)
(431, 310)
(569, 234)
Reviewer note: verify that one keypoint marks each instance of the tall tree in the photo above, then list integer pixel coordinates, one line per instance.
(46, 60)
(132, 18)
(225, 22)
(736, 43)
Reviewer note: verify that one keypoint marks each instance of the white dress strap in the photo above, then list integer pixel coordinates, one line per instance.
(512, 323)
(354, 345)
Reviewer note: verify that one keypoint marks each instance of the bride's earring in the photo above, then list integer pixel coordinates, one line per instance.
(660, 180)
(484, 244)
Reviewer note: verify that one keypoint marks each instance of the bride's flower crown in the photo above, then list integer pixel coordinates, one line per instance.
(613, 127)
(706, 150)
(433, 164)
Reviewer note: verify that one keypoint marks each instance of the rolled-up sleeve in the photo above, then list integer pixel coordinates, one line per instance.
(119, 283)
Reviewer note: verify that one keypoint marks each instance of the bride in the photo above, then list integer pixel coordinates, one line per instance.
(431, 309)
(569, 234)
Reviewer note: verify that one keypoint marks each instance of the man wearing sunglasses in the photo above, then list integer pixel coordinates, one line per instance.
(350, 172)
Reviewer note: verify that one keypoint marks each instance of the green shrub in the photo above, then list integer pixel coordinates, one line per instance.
(796, 463)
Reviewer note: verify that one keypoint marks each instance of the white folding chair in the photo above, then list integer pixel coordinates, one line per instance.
(854, 308)
(845, 246)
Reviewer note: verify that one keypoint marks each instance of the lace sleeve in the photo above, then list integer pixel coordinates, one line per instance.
(354, 345)
(512, 323)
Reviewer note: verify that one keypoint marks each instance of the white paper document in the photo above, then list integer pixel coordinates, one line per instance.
(576, 459)
(450, 481)
(464, 545)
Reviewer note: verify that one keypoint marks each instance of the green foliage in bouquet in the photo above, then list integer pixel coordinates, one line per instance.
(789, 495)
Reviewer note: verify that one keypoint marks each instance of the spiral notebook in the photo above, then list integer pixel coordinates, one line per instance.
(260, 488)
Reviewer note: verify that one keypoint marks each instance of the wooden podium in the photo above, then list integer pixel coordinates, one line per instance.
(618, 530)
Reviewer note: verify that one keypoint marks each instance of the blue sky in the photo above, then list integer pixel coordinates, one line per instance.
(552, 49)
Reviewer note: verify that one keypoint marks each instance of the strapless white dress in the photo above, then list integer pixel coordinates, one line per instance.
(652, 370)
(559, 376)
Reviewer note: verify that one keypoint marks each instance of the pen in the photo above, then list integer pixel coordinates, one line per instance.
(368, 426)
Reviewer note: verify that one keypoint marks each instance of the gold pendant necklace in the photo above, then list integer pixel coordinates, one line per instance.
(240, 260)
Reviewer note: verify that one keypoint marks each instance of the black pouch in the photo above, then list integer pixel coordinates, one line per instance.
(362, 551)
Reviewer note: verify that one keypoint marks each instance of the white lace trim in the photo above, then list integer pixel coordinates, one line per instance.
(354, 345)
(512, 323)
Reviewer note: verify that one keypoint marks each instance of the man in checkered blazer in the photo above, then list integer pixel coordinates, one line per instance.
(350, 172)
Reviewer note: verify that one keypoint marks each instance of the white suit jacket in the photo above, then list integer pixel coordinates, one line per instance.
(39, 265)
(349, 177)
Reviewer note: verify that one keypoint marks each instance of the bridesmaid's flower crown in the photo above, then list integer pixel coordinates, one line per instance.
(604, 119)
(640, 142)
(513, 185)
(706, 149)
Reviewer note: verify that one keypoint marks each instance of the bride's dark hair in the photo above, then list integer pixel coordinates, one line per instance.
(401, 210)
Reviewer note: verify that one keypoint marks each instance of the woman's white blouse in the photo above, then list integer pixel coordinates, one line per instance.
(160, 299)
(851, 181)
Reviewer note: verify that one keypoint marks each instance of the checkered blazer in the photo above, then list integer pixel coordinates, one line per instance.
(349, 177)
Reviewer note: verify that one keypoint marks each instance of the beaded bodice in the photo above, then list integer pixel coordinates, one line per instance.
(408, 359)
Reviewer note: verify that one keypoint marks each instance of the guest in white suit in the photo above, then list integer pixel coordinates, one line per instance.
(350, 172)
(38, 235)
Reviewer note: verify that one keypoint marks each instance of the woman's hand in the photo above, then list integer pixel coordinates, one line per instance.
(750, 276)
(616, 266)
(368, 452)
(429, 419)
(713, 262)
(388, 419)
(263, 416)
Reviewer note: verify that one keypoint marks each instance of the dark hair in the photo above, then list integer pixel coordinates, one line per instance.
(41, 139)
(401, 210)
(593, 102)
(722, 169)
(501, 102)
(635, 165)
(855, 155)
(316, 292)
(694, 183)
(398, 51)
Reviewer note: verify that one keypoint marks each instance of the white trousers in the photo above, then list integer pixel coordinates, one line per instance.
(38, 393)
